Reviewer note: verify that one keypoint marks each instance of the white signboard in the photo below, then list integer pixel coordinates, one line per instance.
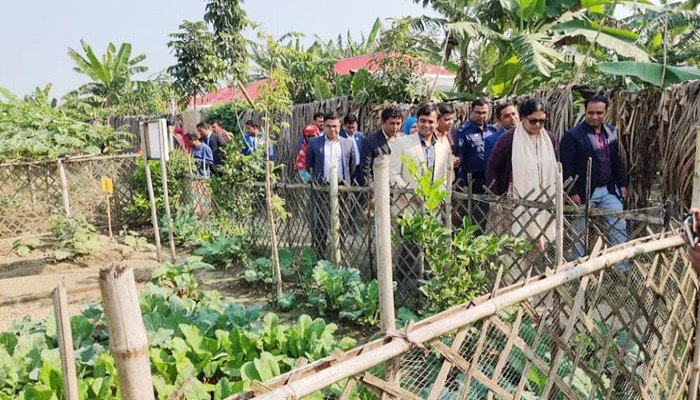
(154, 134)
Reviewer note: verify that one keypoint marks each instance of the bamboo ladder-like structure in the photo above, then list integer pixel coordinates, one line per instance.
(585, 331)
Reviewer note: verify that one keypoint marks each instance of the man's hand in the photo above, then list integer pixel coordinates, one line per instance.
(456, 162)
(576, 199)
(623, 192)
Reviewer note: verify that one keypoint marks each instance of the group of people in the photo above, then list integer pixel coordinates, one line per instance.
(517, 155)
(207, 143)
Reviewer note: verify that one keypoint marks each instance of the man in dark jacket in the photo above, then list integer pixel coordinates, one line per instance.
(608, 181)
(214, 141)
(379, 142)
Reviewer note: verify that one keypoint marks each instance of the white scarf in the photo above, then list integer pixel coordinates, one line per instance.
(534, 170)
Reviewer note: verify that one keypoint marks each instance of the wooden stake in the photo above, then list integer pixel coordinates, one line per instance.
(382, 223)
(109, 217)
(65, 342)
(127, 334)
(166, 198)
(448, 198)
(559, 227)
(151, 196)
(334, 232)
(64, 188)
(696, 174)
(589, 193)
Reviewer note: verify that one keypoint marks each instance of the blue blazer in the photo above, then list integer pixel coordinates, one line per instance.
(576, 148)
(315, 156)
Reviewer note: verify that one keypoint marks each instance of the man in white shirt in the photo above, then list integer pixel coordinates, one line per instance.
(324, 152)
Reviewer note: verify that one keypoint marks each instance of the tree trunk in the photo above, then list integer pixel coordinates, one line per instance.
(274, 253)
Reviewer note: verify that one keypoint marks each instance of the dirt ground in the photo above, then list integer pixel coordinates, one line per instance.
(26, 283)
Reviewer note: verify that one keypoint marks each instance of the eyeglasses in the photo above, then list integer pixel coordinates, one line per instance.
(534, 121)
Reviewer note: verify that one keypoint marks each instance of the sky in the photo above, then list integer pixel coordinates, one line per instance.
(35, 34)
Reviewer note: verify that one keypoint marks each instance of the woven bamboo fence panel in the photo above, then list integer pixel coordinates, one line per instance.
(586, 330)
(31, 192)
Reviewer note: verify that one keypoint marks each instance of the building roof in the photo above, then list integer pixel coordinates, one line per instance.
(346, 66)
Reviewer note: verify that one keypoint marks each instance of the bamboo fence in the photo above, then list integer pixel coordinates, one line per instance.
(585, 331)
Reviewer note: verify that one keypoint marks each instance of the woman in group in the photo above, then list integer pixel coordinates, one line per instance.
(309, 132)
(523, 164)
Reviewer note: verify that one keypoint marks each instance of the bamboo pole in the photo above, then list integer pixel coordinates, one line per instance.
(589, 193)
(65, 342)
(127, 334)
(696, 173)
(151, 196)
(382, 226)
(559, 236)
(334, 232)
(448, 187)
(64, 188)
(464, 316)
(166, 197)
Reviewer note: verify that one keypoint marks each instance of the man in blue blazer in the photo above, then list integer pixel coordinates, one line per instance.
(331, 149)
(322, 153)
(595, 140)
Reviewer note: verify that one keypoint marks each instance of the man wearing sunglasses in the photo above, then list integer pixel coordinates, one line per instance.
(594, 139)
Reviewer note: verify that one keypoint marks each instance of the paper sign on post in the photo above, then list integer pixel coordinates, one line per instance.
(107, 185)
(152, 132)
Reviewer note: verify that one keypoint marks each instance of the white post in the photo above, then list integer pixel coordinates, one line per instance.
(334, 232)
(448, 198)
(65, 342)
(64, 188)
(127, 334)
(382, 224)
(151, 196)
(166, 198)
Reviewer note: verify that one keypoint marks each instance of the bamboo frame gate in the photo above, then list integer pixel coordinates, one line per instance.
(586, 331)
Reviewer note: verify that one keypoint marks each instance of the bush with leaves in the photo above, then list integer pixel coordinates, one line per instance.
(224, 251)
(179, 166)
(461, 262)
(74, 236)
(219, 346)
(35, 127)
(260, 269)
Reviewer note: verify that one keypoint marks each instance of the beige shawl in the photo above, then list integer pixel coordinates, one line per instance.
(534, 173)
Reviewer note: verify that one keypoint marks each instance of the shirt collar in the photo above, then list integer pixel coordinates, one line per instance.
(422, 141)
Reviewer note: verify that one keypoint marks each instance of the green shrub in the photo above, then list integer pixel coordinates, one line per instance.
(74, 236)
(223, 251)
(179, 167)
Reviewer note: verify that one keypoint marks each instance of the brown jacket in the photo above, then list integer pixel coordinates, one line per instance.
(499, 170)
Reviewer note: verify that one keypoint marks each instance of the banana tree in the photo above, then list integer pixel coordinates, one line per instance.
(111, 77)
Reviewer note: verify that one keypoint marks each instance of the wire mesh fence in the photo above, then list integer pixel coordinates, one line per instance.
(308, 226)
(31, 192)
(592, 330)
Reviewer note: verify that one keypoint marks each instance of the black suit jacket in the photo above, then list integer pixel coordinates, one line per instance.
(373, 145)
(576, 148)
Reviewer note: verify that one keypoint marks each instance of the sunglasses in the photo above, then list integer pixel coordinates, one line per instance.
(534, 121)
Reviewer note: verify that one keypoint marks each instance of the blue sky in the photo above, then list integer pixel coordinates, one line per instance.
(36, 34)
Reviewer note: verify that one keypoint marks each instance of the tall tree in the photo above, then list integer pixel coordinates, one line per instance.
(111, 77)
(228, 20)
(198, 67)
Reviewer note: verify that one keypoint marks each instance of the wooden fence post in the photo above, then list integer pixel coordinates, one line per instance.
(334, 232)
(151, 196)
(127, 334)
(64, 187)
(559, 228)
(382, 224)
(65, 342)
(695, 370)
(589, 194)
(166, 198)
(448, 198)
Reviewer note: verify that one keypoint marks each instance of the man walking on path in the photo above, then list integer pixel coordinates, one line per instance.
(608, 181)
(379, 142)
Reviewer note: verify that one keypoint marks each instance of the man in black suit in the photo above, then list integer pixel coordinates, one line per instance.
(595, 140)
(379, 143)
